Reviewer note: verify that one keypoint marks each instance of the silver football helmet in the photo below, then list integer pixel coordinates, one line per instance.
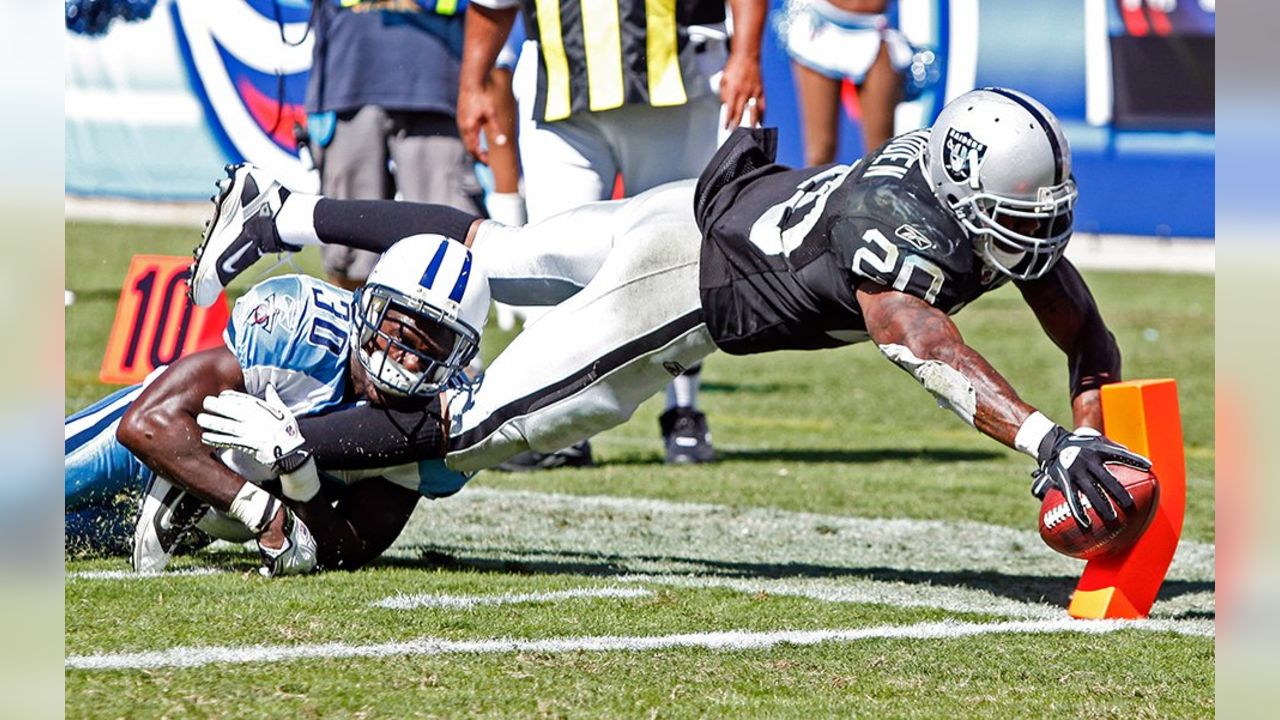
(418, 318)
(999, 160)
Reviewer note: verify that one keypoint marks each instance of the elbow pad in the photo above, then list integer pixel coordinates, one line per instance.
(949, 386)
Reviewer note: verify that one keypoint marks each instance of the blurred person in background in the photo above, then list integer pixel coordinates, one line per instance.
(627, 90)
(504, 200)
(380, 103)
(829, 41)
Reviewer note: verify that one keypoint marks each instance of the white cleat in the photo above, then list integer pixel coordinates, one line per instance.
(234, 238)
(167, 515)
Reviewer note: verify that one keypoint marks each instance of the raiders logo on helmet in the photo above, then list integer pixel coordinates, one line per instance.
(962, 155)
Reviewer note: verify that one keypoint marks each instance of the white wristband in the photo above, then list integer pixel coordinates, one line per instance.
(1032, 432)
(301, 484)
(254, 507)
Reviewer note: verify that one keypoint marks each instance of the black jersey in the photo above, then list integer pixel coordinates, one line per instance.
(783, 250)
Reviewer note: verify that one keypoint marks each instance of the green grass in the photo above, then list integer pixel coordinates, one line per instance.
(839, 434)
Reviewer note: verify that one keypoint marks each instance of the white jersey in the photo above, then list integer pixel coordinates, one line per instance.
(293, 332)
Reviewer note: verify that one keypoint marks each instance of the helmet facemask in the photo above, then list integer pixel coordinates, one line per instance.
(407, 347)
(1022, 238)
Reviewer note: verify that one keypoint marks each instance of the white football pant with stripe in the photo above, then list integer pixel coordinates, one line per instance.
(631, 322)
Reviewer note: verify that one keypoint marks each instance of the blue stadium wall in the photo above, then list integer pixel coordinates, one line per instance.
(172, 132)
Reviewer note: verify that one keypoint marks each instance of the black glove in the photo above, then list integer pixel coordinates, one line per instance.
(1074, 462)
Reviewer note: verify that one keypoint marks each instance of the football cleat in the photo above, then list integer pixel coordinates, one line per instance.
(165, 525)
(686, 436)
(297, 557)
(241, 231)
(573, 456)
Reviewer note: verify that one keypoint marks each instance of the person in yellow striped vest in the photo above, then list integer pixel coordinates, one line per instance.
(636, 90)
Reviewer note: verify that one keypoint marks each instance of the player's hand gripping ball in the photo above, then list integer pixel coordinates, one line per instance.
(1101, 538)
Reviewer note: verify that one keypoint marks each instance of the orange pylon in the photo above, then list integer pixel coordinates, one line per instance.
(1142, 415)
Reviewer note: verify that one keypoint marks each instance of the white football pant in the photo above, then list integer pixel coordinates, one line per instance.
(631, 322)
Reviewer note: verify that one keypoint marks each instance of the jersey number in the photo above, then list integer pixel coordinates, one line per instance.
(870, 263)
(329, 334)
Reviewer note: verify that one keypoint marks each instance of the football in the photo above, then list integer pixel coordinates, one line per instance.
(1061, 532)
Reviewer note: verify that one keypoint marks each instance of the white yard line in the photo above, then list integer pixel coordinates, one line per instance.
(729, 640)
(464, 602)
(857, 590)
(130, 575)
(648, 536)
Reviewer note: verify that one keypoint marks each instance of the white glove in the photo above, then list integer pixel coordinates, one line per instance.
(265, 429)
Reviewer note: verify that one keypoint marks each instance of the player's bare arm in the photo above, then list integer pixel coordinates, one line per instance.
(486, 30)
(924, 341)
(160, 427)
(1070, 317)
(950, 369)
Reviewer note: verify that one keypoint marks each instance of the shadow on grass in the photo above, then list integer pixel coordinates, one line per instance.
(823, 455)
(763, 388)
(1053, 590)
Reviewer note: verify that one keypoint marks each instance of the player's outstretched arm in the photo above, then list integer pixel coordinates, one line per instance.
(924, 341)
(1067, 312)
(160, 427)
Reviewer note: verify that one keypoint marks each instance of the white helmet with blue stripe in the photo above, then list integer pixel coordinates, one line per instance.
(418, 318)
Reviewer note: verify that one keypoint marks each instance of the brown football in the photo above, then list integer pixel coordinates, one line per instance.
(1061, 532)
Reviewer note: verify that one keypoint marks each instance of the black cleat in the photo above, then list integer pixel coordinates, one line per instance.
(686, 436)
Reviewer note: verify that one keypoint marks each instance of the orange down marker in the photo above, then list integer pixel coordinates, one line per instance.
(155, 322)
(1142, 415)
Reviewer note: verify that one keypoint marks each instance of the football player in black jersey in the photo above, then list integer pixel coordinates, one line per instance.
(755, 257)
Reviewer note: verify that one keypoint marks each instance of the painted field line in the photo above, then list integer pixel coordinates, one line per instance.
(645, 535)
(845, 590)
(464, 602)
(131, 575)
(729, 640)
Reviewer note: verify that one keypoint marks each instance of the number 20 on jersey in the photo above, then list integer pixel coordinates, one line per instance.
(155, 322)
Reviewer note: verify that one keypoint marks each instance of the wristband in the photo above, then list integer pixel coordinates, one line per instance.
(1032, 433)
(254, 507)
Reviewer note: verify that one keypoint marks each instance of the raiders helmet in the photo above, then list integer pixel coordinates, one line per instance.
(425, 287)
(1000, 161)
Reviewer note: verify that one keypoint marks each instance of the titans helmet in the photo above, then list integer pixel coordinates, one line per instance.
(419, 316)
(999, 160)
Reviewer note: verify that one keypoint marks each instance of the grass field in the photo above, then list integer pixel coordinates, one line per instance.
(857, 552)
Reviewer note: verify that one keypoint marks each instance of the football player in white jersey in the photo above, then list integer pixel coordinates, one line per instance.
(758, 257)
(294, 346)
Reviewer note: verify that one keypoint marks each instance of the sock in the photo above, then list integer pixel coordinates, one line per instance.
(376, 225)
(294, 222)
(683, 391)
